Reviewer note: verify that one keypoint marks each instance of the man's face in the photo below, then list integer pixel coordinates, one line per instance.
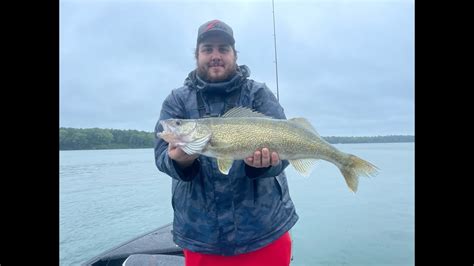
(216, 60)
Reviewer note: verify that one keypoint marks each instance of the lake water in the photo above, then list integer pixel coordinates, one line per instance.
(110, 196)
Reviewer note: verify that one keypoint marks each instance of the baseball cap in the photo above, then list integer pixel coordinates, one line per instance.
(215, 27)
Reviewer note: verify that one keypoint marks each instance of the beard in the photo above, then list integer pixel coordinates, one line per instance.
(207, 73)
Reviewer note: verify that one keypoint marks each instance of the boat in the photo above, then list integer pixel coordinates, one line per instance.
(153, 248)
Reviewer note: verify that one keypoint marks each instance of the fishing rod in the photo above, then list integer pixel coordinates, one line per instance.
(275, 45)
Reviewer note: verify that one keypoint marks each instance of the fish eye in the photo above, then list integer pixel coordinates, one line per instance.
(178, 123)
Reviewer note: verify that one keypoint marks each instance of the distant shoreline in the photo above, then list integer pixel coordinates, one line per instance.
(107, 139)
(98, 149)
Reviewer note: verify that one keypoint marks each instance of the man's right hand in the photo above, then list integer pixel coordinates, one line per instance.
(180, 157)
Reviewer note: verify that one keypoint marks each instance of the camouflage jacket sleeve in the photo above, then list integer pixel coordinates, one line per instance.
(172, 108)
(265, 102)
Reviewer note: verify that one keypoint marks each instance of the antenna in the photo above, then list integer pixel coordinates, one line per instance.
(275, 44)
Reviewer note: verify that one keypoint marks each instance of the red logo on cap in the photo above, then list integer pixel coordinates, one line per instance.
(212, 24)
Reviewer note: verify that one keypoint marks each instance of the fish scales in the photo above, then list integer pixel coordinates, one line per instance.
(238, 138)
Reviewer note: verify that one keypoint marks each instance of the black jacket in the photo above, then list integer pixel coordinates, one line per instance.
(216, 213)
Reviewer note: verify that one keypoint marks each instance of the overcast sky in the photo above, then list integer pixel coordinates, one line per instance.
(347, 66)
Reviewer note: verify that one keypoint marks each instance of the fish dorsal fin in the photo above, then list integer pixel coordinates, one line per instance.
(197, 145)
(303, 166)
(304, 123)
(242, 112)
(224, 165)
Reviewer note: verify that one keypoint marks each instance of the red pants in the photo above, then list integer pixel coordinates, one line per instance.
(277, 253)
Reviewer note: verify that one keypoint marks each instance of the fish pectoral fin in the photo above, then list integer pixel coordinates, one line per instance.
(196, 146)
(303, 166)
(304, 123)
(224, 165)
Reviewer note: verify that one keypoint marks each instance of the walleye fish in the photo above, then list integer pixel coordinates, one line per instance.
(238, 133)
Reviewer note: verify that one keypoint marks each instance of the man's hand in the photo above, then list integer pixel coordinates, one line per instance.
(262, 159)
(180, 157)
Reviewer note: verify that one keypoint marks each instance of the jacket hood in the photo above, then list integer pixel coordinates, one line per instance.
(193, 80)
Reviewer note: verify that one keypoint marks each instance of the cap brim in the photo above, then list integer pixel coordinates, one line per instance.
(229, 39)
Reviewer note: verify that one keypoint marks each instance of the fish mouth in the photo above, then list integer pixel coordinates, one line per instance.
(169, 133)
(165, 126)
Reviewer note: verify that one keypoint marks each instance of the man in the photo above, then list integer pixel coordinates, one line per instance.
(242, 218)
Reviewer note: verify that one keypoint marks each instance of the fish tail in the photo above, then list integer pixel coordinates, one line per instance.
(355, 167)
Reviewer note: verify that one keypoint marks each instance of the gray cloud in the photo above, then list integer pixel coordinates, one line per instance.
(348, 66)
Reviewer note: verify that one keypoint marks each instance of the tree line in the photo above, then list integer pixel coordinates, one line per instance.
(373, 139)
(98, 138)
